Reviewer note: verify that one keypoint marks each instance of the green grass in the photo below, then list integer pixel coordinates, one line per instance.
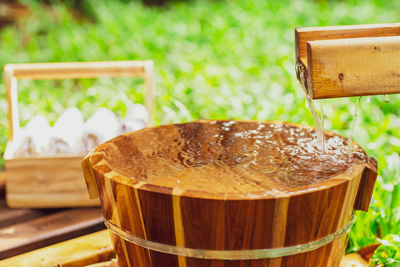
(389, 251)
(213, 59)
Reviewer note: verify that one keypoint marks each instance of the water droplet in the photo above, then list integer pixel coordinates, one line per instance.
(322, 134)
(387, 98)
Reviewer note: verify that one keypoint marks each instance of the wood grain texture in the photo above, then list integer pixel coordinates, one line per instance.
(306, 34)
(81, 251)
(354, 67)
(75, 70)
(90, 178)
(366, 187)
(208, 220)
(367, 251)
(111, 263)
(95, 250)
(57, 181)
(46, 182)
(343, 61)
(10, 216)
(48, 229)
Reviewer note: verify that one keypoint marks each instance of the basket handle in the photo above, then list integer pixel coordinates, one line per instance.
(73, 70)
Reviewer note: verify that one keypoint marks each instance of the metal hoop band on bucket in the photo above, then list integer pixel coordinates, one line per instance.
(230, 254)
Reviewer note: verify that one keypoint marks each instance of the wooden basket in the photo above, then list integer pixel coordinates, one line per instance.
(56, 181)
(182, 218)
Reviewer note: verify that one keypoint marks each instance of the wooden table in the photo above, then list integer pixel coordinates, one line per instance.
(23, 230)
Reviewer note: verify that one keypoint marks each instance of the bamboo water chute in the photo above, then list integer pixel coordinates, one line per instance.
(206, 194)
(343, 61)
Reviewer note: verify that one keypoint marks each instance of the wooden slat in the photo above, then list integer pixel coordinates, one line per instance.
(367, 251)
(13, 216)
(354, 67)
(303, 35)
(90, 179)
(74, 70)
(104, 264)
(81, 251)
(48, 230)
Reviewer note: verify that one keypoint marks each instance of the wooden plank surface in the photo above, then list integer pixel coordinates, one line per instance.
(111, 263)
(49, 229)
(303, 35)
(81, 251)
(10, 216)
(354, 67)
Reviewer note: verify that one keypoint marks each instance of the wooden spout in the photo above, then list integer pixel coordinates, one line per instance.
(366, 187)
(90, 178)
(344, 61)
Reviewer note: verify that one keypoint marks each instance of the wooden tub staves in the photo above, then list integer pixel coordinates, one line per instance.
(229, 193)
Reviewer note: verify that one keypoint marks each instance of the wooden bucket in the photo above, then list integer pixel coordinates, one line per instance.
(229, 193)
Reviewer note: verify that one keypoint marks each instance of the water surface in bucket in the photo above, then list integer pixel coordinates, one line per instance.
(230, 157)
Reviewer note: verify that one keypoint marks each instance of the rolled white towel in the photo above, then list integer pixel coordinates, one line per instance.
(131, 125)
(34, 139)
(137, 112)
(136, 118)
(102, 126)
(67, 133)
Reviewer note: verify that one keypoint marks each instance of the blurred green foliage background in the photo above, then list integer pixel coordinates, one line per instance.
(213, 59)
